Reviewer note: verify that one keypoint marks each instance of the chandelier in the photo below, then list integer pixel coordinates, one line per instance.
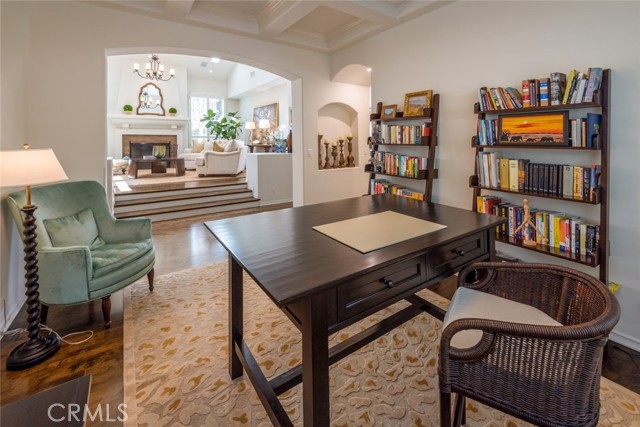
(153, 70)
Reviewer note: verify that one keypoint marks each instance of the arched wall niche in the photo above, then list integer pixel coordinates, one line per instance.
(355, 74)
(338, 120)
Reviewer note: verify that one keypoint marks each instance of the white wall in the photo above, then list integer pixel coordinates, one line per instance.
(280, 94)
(244, 79)
(74, 39)
(13, 121)
(269, 176)
(466, 45)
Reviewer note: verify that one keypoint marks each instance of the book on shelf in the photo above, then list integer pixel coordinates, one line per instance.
(594, 180)
(522, 163)
(515, 96)
(513, 174)
(557, 83)
(534, 92)
(567, 181)
(579, 90)
(594, 120)
(569, 84)
(595, 78)
(544, 92)
(526, 94)
(504, 174)
(577, 182)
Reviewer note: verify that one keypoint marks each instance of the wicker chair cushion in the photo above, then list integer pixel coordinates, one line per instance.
(470, 304)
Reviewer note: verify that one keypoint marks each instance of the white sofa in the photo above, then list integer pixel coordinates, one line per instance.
(230, 162)
(190, 156)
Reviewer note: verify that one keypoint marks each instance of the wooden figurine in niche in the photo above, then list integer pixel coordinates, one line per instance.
(526, 219)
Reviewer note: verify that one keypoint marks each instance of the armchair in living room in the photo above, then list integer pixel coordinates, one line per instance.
(231, 161)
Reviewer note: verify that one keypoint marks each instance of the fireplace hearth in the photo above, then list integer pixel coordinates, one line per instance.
(137, 146)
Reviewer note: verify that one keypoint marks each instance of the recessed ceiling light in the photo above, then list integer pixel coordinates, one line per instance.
(369, 69)
(215, 60)
(211, 71)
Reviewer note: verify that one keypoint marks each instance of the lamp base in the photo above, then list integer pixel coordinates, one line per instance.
(33, 352)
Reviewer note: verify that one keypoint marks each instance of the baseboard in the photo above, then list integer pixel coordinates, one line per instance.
(625, 340)
(276, 202)
(12, 313)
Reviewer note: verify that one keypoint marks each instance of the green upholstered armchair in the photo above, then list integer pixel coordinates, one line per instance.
(84, 253)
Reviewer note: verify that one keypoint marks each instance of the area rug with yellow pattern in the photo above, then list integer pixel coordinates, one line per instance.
(176, 363)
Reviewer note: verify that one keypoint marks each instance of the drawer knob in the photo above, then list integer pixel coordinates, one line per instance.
(388, 282)
(459, 252)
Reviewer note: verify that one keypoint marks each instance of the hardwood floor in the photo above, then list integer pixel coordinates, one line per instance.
(180, 244)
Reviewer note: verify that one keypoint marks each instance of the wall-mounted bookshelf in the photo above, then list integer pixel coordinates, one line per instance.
(388, 139)
(487, 191)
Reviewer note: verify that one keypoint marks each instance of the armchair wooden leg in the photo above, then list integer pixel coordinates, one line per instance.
(44, 311)
(106, 311)
(150, 277)
(445, 409)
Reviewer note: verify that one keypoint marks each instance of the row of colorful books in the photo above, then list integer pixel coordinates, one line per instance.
(404, 134)
(499, 98)
(399, 164)
(583, 132)
(557, 89)
(554, 229)
(521, 175)
(381, 186)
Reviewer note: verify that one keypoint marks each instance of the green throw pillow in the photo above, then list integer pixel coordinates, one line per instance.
(79, 229)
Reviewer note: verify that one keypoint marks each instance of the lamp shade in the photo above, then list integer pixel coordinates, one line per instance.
(264, 124)
(250, 125)
(29, 167)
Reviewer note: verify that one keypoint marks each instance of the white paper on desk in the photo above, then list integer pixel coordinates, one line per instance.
(370, 232)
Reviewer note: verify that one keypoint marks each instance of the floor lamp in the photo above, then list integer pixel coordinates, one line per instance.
(20, 168)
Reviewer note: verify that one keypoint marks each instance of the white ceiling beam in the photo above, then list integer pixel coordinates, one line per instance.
(372, 11)
(280, 15)
(178, 8)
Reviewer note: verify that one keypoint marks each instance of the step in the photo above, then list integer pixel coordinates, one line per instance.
(195, 209)
(178, 200)
(148, 193)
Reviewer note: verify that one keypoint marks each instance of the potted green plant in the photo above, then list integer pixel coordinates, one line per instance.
(172, 111)
(222, 128)
(128, 109)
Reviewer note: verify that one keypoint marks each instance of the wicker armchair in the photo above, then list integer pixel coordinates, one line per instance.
(546, 375)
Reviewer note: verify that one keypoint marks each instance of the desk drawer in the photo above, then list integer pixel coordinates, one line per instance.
(454, 255)
(379, 286)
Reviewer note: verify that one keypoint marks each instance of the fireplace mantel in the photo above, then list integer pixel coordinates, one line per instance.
(131, 121)
(123, 124)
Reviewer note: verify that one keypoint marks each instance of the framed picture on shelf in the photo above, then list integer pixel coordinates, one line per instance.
(389, 112)
(415, 102)
(534, 129)
(269, 112)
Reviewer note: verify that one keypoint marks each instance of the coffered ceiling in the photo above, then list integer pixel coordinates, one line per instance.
(323, 26)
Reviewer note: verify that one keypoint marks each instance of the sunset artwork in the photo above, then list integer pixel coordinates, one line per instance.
(534, 129)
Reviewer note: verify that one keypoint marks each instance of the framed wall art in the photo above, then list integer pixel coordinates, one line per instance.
(416, 102)
(534, 129)
(269, 112)
(389, 112)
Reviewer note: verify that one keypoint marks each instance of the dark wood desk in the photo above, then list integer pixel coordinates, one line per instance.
(324, 286)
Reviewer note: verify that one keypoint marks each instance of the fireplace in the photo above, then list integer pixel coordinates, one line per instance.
(137, 146)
